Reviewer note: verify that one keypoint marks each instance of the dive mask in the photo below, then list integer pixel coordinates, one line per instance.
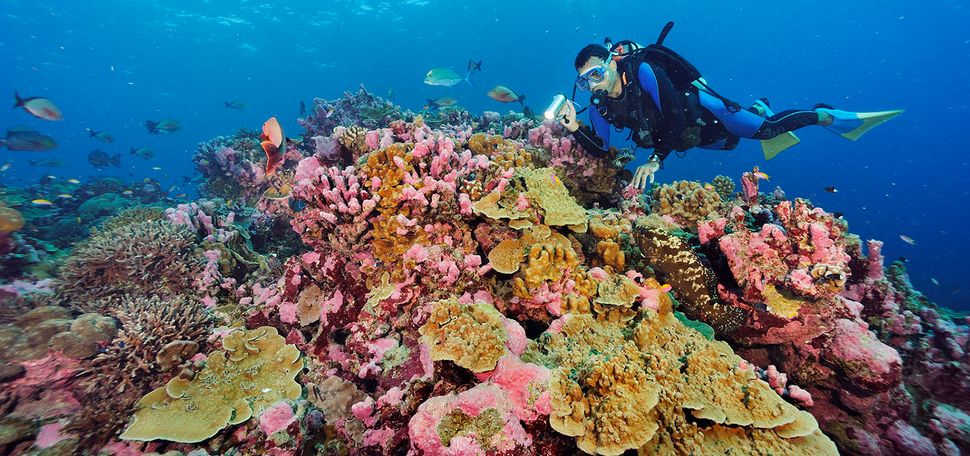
(590, 77)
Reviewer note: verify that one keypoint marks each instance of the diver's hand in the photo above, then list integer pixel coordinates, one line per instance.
(644, 174)
(568, 119)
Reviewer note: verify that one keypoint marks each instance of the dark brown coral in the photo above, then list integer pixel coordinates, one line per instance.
(693, 282)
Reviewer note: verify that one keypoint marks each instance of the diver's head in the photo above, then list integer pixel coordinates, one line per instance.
(596, 70)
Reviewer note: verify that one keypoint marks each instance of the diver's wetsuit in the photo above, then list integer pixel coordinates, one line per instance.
(667, 114)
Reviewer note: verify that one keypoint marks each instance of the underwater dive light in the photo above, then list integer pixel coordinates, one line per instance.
(552, 111)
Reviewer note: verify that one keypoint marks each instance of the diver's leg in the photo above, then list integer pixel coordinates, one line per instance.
(791, 120)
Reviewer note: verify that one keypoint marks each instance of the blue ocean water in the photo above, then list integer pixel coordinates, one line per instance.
(111, 64)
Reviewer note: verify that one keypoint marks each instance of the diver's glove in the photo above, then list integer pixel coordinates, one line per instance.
(645, 173)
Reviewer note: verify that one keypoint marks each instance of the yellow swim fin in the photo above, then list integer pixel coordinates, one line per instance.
(852, 125)
(774, 146)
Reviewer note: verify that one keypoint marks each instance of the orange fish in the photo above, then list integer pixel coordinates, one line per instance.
(273, 143)
(39, 107)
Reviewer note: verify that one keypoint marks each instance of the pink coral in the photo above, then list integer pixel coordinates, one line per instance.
(276, 418)
(483, 402)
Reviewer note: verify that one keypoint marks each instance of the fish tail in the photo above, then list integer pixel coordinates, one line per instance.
(468, 78)
(522, 100)
(226, 103)
(152, 127)
(18, 102)
(116, 160)
(132, 151)
(92, 133)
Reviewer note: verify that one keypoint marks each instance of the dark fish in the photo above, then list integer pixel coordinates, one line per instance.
(100, 159)
(142, 152)
(25, 139)
(39, 107)
(101, 136)
(235, 104)
(837, 215)
(903, 259)
(474, 66)
(49, 163)
(297, 205)
(831, 189)
(440, 102)
(163, 126)
(302, 108)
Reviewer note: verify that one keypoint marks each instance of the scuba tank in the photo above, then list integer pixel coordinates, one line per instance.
(681, 72)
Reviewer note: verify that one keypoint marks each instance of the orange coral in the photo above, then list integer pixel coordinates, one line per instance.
(10, 220)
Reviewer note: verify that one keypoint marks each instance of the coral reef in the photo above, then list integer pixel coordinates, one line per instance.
(454, 284)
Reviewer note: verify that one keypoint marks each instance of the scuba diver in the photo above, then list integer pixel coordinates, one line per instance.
(668, 107)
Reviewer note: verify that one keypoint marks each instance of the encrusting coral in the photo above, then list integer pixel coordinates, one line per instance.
(255, 369)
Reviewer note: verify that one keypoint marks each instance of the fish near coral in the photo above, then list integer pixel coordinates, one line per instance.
(273, 143)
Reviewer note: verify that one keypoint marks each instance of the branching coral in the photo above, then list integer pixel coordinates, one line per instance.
(255, 370)
(136, 360)
(140, 258)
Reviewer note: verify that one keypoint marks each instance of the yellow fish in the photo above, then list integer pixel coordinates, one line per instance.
(760, 175)
(65, 196)
(73, 181)
(79, 220)
(127, 192)
(41, 202)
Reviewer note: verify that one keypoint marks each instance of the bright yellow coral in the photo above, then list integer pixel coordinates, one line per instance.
(471, 335)
(255, 369)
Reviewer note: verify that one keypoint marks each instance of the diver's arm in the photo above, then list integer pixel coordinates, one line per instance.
(590, 141)
(596, 140)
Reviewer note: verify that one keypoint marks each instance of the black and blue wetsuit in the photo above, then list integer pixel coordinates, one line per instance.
(665, 119)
